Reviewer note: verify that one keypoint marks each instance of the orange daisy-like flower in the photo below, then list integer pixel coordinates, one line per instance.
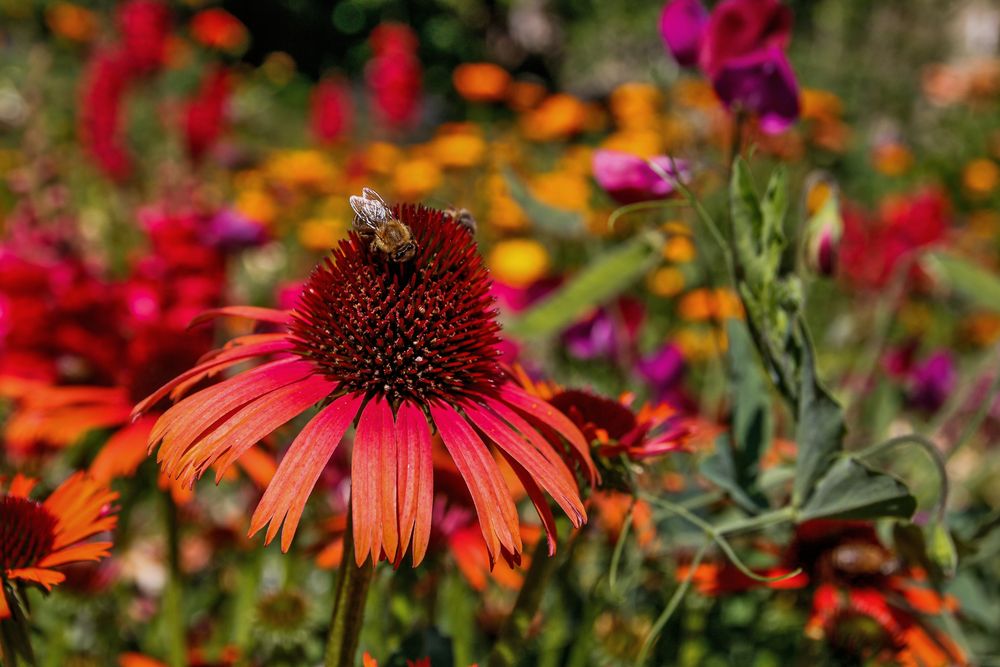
(37, 538)
(396, 346)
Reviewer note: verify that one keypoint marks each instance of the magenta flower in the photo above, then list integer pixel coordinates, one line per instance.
(738, 28)
(682, 26)
(629, 178)
(761, 83)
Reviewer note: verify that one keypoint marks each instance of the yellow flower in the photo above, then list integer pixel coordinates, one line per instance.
(503, 212)
(707, 304)
(558, 117)
(381, 157)
(257, 205)
(981, 177)
(415, 178)
(701, 343)
(321, 234)
(666, 282)
(635, 105)
(820, 105)
(70, 21)
(303, 169)
(518, 262)
(643, 143)
(561, 189)
(458, 147)
(679, 249)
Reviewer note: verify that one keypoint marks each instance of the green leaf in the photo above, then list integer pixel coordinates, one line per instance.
(852, 490)
(975, 284)
(547, 219)
(736, 462)
(819, 428)
(748, 224)
(941, 548)
(605, 278)
(774, 206)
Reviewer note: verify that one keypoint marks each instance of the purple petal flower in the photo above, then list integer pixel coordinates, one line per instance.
(628, 178)
(762, 83)
(604, 334)
(739, 28)
(230, 230)
(932, 381)
(682, 26)
(663, 368)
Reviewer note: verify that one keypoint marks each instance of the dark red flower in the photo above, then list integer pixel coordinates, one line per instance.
(331, 110)
(144, 26)
(205, 113)
(101, 117)
(392, 345)
(737, 28)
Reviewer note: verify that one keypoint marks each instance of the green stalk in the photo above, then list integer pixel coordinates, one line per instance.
(348, 606)
(510, 643)
(173, 615)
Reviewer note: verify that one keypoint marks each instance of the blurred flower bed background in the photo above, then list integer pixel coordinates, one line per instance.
(161, 159)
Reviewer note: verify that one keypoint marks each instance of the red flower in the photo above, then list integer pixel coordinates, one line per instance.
(205, 114)
(394, 75)
(393, 345)
(331, 113)
(218, 29)
(99, 126)
(38, 539)
(145, 27)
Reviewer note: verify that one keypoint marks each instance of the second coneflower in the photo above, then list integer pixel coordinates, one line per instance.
(398, 347)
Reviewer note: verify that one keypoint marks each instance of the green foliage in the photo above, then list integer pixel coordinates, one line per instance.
(974, 284)
(852, 490)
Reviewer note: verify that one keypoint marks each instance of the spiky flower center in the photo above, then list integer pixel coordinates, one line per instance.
(27, 531)
(415, 330)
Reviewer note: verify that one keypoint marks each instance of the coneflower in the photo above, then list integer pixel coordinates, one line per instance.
(396, 347)
(38, 538)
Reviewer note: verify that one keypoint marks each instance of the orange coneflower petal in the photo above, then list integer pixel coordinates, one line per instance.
(301, 468)
(123, 452)
(58, 397)
(246, 426)
(21, 486)
(548, 415)
(247, 312)
(416, 480)
(492, 499)
(38, 575)
(259, 465)
(224, 358)
(4, 607)
(184, 423)
(80, 552)
(375, 431)
(531, 434)
(530, 460)
(537, 499)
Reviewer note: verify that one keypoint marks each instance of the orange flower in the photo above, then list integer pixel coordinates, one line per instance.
(38, 538)
(218, 29)
(71, 22)
(524, 95)
(559, 117)
(481, 82)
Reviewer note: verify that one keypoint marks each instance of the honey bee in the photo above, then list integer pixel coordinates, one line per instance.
(862, 559)
(461, 217)
(375, 222)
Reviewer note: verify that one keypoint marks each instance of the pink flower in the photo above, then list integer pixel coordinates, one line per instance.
(145, 28)
(682, 25)
(331, 111)
(761, 83)
(628, 178)
(738, 28)
(204, 115)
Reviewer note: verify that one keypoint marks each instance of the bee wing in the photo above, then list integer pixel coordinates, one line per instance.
(368, 193)
(373, 211)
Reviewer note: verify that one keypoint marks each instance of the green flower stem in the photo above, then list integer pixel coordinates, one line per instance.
(173, 612)
(510, 643)
(348, 606)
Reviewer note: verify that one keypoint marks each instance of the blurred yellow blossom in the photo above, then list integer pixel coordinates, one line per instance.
(278, 67)
(559, 116)
(701, 343)
(458, 146)
(981, 329)
(503, 212)
(981, 177)
(415, 178)
(381, 157)
(679, 249)
(635, 105)
(257, 205)
(561, 189)
(321, 234)
(666, 281)
(709, 304)
(518, 262)
(309, 170)
(643, 143)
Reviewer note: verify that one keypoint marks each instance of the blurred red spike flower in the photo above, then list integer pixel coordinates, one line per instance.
(205, 113)
(99, 124)
(394, 75)
(397, 347)
(38, 538)
(218, 29)
(144, 26)
(331, 110)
